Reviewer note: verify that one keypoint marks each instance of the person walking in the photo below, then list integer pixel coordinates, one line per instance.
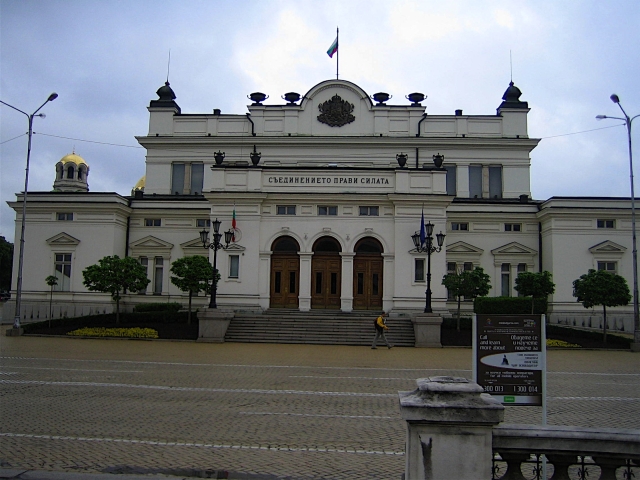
(380, 328)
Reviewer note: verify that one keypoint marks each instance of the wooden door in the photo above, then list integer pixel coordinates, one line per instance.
(367, 282)
(285, 281)
(326, 281)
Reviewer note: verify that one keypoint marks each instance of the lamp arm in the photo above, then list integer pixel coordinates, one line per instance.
(17, 109)
(40, 108)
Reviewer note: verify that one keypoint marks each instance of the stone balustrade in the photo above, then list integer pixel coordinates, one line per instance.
(454, 431)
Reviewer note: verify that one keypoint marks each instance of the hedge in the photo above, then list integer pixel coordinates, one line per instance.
(110, 318)
(595, 335)
(157, 307)
(509, 305)
(450, 323)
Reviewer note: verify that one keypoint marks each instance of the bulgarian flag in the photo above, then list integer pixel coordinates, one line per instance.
(333, 48)
(233, 223)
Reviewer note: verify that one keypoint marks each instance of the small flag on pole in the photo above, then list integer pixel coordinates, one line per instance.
(333, 48)
(233, 224)
(423, 235)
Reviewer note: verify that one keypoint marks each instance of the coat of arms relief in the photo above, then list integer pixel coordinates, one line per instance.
(336, 112)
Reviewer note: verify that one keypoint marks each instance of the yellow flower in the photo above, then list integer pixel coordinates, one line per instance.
(115, 332)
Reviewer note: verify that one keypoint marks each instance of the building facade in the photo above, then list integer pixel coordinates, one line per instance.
(326, 191)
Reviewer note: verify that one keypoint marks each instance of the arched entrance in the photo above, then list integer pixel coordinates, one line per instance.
(326, 270)
(285, 273)
(367, 275)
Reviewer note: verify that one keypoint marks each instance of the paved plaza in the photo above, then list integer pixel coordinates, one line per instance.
(258, 411)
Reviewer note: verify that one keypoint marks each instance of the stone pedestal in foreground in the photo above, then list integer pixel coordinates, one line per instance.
(14, 332)
(213, 324)
(449, 429)
(426, 327)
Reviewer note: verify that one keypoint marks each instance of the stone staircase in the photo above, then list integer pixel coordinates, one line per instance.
(321, 327)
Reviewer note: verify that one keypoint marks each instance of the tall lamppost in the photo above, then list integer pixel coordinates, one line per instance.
(52, 97)
(215, 246)
(636, 315)
(423, 241)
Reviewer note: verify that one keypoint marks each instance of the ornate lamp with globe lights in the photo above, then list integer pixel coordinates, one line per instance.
(215, 246)
(424, 244)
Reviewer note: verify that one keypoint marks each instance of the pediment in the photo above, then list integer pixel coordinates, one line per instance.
(607, 247)
(235, 247)
(514, 248)
(62, 239)
(463, 247)
(151, 242)
(195, 243)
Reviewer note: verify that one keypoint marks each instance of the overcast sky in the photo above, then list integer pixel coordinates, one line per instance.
(106, 59)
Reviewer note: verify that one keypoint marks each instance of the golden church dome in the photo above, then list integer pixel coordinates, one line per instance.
(140, 184)
(73, 158)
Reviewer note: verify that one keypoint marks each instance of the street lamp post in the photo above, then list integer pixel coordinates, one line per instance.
(423, 241)
(52, 97)
(635, 346)
(215, 246)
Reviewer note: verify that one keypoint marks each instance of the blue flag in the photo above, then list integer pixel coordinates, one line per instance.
(423, 236)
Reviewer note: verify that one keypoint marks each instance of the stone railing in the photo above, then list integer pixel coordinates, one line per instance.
(453, 432)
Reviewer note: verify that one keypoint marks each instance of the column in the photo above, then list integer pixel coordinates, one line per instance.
(346, 293)
(304, 297)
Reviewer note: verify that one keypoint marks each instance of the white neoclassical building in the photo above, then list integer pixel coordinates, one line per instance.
(324, 209)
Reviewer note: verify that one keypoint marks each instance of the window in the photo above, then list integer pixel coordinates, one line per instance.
(419, 275)
(495, 182)
(522, 267)
(369, 211)
(177, 179)
(512, 227)
(70, 173)
(286, 210)
(157, 279)
(144, 261)
(451, 180)
(506, 280)
(452, 269)
(611, 267)
(203, 223)
(606, 224)
(234, 266)
(63, 272)
(187, 178)
(475, 181)
(197, 178)
(64, 216)
(152, 222)
(457, 226)
(324, 210)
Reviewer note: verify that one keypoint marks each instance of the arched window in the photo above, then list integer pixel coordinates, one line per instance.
(80, 172)
(60, 172)
(70, 172)
(327, 244)
(285, 244)
(368, 245)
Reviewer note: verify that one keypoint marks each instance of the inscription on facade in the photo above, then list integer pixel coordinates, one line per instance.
(317, 180)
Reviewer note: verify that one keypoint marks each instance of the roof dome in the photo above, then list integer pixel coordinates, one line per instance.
(140, 184)
(73, 158)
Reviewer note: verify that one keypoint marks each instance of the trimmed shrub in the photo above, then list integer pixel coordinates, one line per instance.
(157, 307)
(509, 305)
(115, 332)
(450, 323)
(110, 318)
(593, 335)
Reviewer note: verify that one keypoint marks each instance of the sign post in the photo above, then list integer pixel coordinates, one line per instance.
(509, 358)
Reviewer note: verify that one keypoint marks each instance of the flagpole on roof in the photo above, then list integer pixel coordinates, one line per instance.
(337, 51)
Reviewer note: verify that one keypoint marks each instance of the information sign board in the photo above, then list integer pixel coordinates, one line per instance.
(509, 357)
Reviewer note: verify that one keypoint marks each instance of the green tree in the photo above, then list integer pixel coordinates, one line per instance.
(51, 280)
(6, 264)
(535, 285)
(468, 284)
(114, 275)
(599, 287)
(193, 275)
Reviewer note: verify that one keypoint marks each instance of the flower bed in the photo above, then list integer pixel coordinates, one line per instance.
(115, 332)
